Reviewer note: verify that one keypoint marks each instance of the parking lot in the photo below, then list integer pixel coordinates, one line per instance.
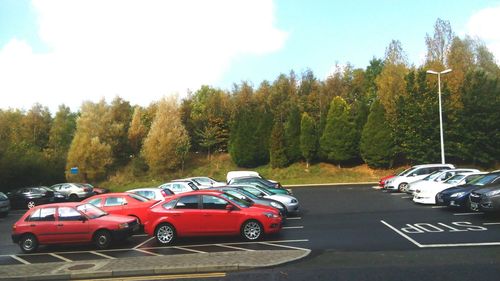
(347, 228)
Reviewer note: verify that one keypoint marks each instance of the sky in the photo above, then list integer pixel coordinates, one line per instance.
(57, 52)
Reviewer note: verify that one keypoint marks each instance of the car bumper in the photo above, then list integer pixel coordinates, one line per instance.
(489, 205)
(424, 199)
(273, 226)
(121, 234)
(390, 187)
(293, 208)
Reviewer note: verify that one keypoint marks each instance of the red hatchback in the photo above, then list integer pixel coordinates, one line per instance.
(62, 223)
(123, 203)
(205, 213)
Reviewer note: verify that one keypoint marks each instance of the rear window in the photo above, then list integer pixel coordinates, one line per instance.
(2, 196)
(43, 214)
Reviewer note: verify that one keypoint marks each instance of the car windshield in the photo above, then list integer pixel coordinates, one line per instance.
(193, 186)
(406, 172)
(91, 211)
(432, 175)
(454, 179)
(484, 180)
(240, 202)
(247, 194)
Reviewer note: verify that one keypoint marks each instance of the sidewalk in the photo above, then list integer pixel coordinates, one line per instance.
(139, 266)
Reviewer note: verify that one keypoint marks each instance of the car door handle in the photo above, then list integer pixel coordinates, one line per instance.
(60, 224)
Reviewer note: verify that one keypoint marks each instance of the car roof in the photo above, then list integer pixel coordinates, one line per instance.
(432, 165)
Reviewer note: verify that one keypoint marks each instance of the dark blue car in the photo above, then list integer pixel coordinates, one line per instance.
(458, 196)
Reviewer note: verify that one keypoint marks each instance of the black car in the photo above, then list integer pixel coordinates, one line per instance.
(486, 198)
(458, 196)
(28, 197)
(4, 205)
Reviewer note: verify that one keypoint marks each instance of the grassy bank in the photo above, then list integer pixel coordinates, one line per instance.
(219, 165)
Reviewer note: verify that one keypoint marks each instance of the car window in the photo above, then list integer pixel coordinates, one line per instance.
(91, 211)
(170, 204)
(187, 202)
(471, 178)
(176, 187)
(213, 202)
(114, 201)
(43, 214)
(96, 201)
(236, 194)
(203, 180)
(68, 214)
(139, 198)
(193, 187)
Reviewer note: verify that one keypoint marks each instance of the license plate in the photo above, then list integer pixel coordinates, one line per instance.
(474, 206)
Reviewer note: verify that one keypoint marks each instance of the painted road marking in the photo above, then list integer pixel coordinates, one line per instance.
(59, 257)
(397, 194)
(468, 214)
(491, 223)
(138, 246)
(102, 255)
(407, 197)
(437, 245)
(235, 248)
(19, 259)
(439, 207)
(294, 218)
(292, 227)
(189, 250)
(165, 277)
(146, 252)
(283, 246)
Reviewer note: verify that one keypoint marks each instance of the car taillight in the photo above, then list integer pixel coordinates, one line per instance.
(163, 193)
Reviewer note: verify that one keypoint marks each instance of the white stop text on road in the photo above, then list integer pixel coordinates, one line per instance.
(461, 226)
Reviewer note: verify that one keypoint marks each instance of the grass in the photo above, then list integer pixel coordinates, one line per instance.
(220, 164)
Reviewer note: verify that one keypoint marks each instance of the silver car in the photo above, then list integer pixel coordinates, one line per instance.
(291, 203)
(4, 205)
(73, 191)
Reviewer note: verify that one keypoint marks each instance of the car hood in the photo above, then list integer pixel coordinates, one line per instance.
(487, 188)
(459, 188)
(282, 197)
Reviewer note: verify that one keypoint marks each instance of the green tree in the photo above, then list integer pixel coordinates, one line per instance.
(338, 143)
(377, 145)
(292, 135)
(166, 142)
(277, 151)
(308, 138)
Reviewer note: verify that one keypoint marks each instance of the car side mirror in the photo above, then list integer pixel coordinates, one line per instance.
(229, 207)
(124, 203)
(82, 219)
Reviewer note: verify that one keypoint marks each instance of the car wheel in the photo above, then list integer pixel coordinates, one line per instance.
(28, 243)
(467, 206)
(30, 204)
(251, 230)
(402, 186)
(165, 234)
(73, 198)
(102, 239)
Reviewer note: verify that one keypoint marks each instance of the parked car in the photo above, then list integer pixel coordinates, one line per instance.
(382, 180)
(206, 182)
(96, 189)
(291, 203)
(73, 191)
(206, 213)
(486, 198)
(63, 223)
(275, 187)
(154, 193)
(427, 194)
(238, 174)
(180, 186)
(4, 205)
(249, 197)
(29, 197)
(458, 196)
(123, 203)
(413, 174)
(435, 178)
(58, 196)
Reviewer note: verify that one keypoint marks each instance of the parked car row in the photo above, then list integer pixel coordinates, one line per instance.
(442, 184)
(174, 209)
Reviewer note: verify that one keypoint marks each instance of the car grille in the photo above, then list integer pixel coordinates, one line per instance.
(474, 197)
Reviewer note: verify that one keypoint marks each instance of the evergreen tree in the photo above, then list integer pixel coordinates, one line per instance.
(377, 145)
(308, 139)
(338, 143)
(292, 135)
(277, 151)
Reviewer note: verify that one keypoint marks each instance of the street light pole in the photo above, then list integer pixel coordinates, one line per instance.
(440, 109)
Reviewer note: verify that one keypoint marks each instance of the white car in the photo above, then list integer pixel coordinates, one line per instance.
(153, 193)
(436, 177)
(427, 194)
(180, 186)
(73, 191)
(205, 182)
(291, 203)
(413, 174)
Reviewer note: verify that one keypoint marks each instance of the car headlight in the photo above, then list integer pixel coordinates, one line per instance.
(294, 201)
(458, 194)
(276, 205)
(271, 215)
(389, 181)
(122, 225)
(493, 193)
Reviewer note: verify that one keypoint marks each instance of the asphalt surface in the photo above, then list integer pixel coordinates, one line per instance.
(353, 232)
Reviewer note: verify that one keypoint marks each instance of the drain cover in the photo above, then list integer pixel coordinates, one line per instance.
(81, 266)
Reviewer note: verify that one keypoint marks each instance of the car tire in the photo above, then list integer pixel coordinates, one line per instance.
(28, 243)
(165, 234)
(252, 230)
(30, 204)
(467, 206)
(73, 198)
(102, 239)
(401, 186)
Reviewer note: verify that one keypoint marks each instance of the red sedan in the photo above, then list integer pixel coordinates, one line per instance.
(123, 203)
(62, 223)
(205, 213)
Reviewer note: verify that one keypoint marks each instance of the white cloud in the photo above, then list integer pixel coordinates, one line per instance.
(484, 25)
(140, 50)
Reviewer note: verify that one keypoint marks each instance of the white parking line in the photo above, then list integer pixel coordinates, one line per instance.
(146, 252)
(59, 257)
(398, 194)
(407, 197)
(468, 214)
(189, 250)
(102, 255)
(283, 246)
(402, 234)
(491, 223)
(292, 227)
(139, 235)
(19, 259)
(144, 242)
(235, 248)
(439, 207)
(294, 218)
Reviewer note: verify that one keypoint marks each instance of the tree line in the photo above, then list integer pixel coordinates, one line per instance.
(383, 115)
